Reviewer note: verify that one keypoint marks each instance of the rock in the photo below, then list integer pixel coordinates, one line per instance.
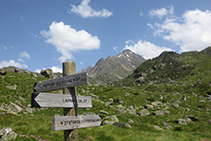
(140, 79)
(122, 125)
(143, 112)
(12, 87)
(108, 122)
(175, 105)
(181, 121)
(7, 134)
(18, 70)
(103, 112)
(112, 118)
(34, 75)
(161, 112)
(3, 72)
(120, 106)
(29, 110)
(13, 108)
(120, 111)
(47, 73)
(127, 94)
(83, 91)
(157, 103)
(89, 113)
(202, 101)
(157, 127)
(209, 121)
(118, 101)
(131, 121)
(93, 95)
(192, 118)
(150, 107)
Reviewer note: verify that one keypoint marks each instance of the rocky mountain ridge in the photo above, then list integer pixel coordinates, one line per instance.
(114, 68)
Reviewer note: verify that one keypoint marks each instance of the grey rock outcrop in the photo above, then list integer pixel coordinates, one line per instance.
(122, 125)
(161, 112)
(13, 108)
(47, 73)
(7, 134)
(144, 112)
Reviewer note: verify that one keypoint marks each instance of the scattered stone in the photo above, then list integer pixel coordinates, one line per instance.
(118, 101)
(7, 134)
(103, 112)
(13, 108)
(161, 112)
(175, 105)
(202, 101)
(150, 107)
(112, 118)
(140, 79)
(192, 118)
(12, 87)
(47, 73)
(34, 75)
(21, 98)
(120, 111)
(93, 95)
(89, 113)
(122, 125)
(29, 110)
(127, 94)
(108, 122)
(83, 91)
(157, 103)
(131, 121)
(18, 70)
(209, 121)
(3, 72)
(143, 112)
(181, 121)
(157, 127)
(120, 106)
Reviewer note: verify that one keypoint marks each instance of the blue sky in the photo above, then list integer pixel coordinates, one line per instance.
(37, 34)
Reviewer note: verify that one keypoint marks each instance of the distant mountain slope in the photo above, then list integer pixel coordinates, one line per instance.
(172, 72)
(114, 68)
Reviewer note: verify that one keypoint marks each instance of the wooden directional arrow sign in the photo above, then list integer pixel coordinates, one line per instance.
(74, 122)
(47, 100)
(61, 82)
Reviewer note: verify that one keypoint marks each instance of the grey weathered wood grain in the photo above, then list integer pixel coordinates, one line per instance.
(47, 100)
(62, 82)
(75, 122)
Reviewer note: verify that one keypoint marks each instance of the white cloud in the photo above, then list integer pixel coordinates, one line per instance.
(115, 48)
(81, 63)
(67, 40)
(160, 13)
(191, 32)
(55, 69)
(141, 14)
(86, 11)
(5, 63)
(21, 60)
(24, 55)
(146, 49)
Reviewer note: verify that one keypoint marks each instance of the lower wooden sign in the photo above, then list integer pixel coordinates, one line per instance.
(75, 122)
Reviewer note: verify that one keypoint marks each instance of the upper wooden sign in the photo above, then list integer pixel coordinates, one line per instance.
(62, 82)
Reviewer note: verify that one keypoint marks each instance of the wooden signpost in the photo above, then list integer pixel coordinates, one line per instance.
(69, 101)
(72, 122)
(62, 82)
(47, 100)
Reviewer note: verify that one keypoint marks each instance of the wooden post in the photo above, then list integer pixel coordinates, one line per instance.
(68, 69)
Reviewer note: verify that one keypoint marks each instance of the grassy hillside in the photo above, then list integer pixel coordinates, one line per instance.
(157, 85)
